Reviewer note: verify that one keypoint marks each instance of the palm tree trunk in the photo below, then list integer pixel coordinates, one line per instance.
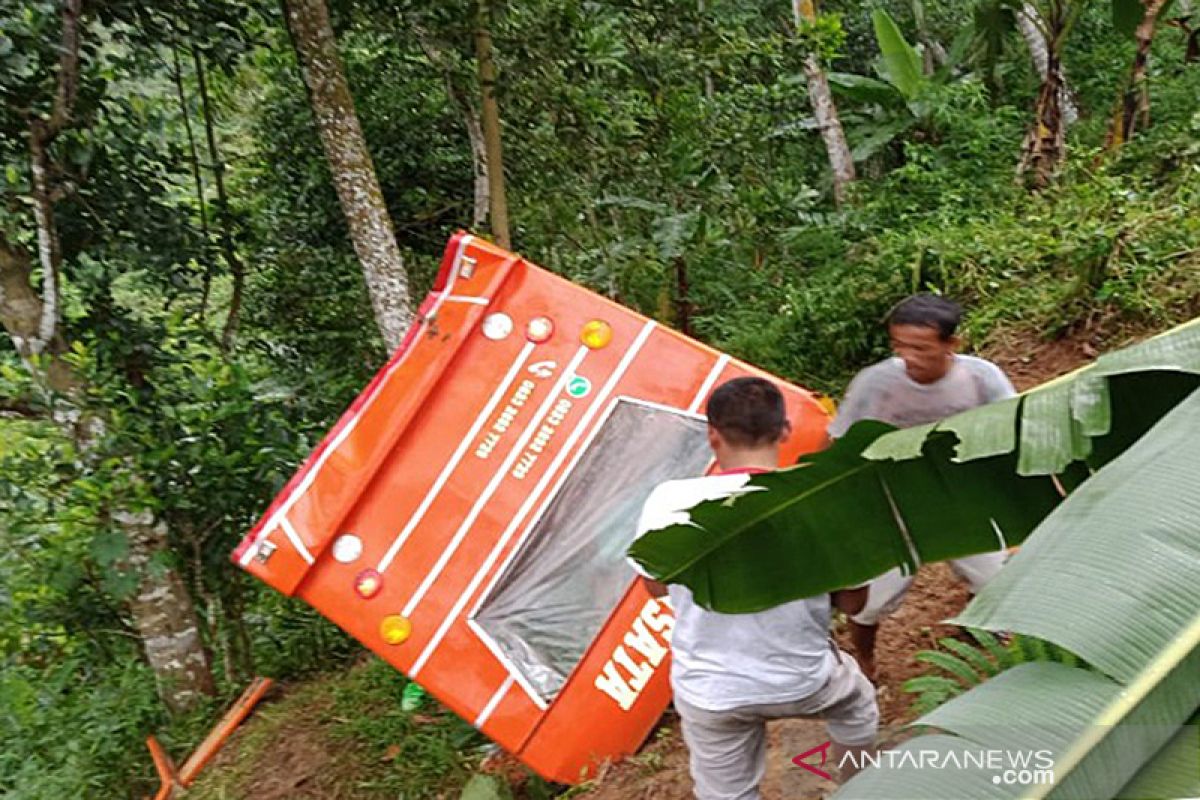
(1045, 144)
(1030, 24)
(351, 167)
(841, 163)
(1133, 106)
(491, 124)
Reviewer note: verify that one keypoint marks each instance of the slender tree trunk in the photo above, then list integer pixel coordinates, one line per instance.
(22, 312)
(224, 215)
(48, 247)
(935, 55)
(1045, 144)
(708, 78)
(491, 123)
(479, 163)
(197, 177)
(1032, 28)
(351, 167)
(683, 300)
(1133, 105)
(825, 111)
(162, 612)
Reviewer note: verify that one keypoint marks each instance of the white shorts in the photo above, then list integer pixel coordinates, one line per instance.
(885, 592)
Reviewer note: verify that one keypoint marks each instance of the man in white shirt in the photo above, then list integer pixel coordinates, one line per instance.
(927, 380)
(731, 673)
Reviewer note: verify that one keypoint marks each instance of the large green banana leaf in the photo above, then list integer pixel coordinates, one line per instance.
(880, 498)
(1113, 574)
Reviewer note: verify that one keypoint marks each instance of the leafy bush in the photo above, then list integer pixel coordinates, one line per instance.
(958, 665)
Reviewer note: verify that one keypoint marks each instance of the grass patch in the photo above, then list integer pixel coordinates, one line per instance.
(345, 737)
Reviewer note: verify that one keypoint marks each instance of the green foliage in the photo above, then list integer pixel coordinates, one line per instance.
(823, 37)
(964, 665)
(73, 727)
(901, 65)
(662, 154)
(365, 740)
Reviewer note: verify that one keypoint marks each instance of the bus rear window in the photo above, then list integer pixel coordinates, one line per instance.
(557, 591)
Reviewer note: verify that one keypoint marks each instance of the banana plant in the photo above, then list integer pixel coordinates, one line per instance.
(1110, 573)
(1113, 576)
(895, 102)
(900, 99)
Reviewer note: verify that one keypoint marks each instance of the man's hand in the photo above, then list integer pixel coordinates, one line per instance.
(655, 588)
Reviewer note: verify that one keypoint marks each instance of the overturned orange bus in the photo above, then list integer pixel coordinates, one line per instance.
(467, 517)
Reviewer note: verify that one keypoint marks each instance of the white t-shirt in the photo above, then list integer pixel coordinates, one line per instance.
(724, 661)
(885, 392)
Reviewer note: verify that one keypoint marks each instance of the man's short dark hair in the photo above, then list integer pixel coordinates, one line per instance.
(927, 310)
(747, 411)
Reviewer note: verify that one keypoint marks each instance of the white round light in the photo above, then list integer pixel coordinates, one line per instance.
(497, 326)
(347, 548)
(539, 329)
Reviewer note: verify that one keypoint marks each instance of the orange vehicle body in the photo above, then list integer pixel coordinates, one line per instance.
(432, 484)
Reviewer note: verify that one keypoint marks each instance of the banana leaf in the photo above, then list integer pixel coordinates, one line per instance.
(1113, 574)
(901, 65)
(880, 498)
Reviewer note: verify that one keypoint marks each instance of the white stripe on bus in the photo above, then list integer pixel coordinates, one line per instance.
(311, 475)
(707, 386)
(462, 298)
(481, 502)
(486, 714)
(465, 445)
(513, 672)
(295, 539)
(525, 508)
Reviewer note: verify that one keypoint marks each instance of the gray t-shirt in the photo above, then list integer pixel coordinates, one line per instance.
(886, 393)
(724, 661)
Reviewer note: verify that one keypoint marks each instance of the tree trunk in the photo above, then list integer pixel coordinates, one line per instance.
(351, 167)
(162, 609)
(479, 164)
(22, 312)
(491, 123)
(709, 89)
(1133, 105)
(165, 617)
(197, 178)
(825, 111)
(1032, 27)
(1045, 143)
(683, 299)
(224, 216)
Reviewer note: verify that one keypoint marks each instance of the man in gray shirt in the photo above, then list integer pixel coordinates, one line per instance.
(927, 380)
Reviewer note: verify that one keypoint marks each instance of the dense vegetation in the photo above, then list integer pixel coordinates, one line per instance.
(213, 319)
